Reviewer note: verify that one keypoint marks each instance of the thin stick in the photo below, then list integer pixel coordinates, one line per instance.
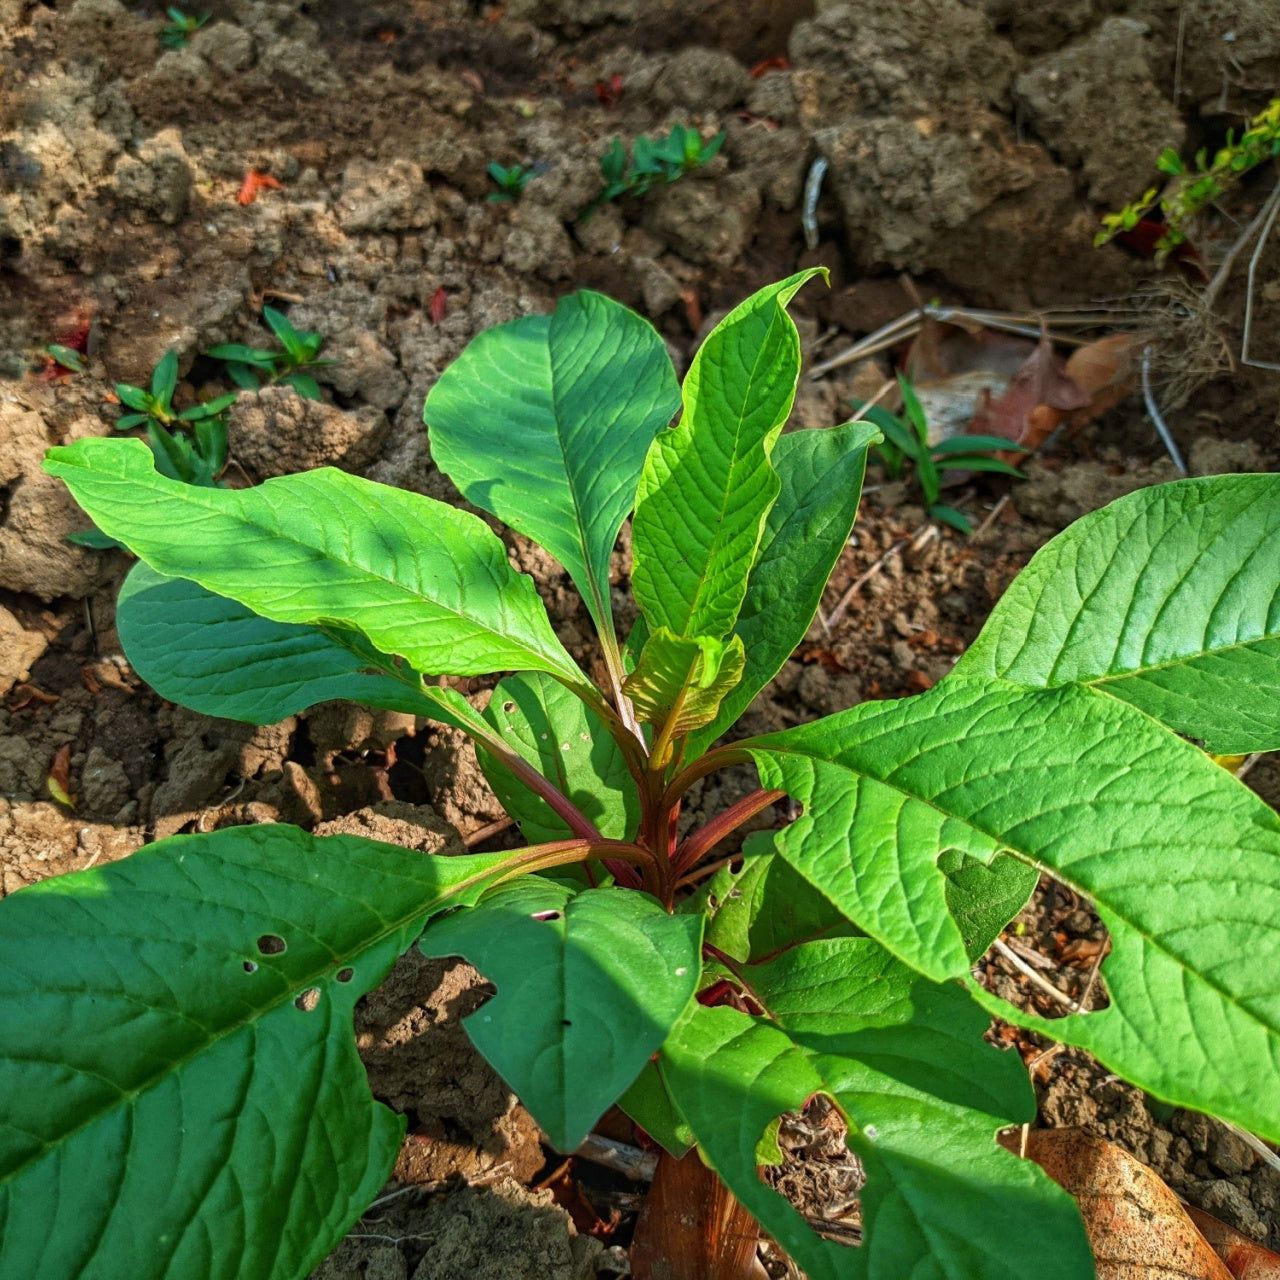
(992, 516)
(631, 1162)
(482, 834)
(1153, 412)
(1266, 214)
(1032, 976)
(1273, 203)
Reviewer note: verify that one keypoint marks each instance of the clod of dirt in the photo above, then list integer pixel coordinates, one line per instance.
(463, 1118)
(1096, 105)
(37, 512)
(703, 221)
(276, 432)
(19, 648)
(537, 244)
(703, 80)
(38, 840)
(394, 822)
(384, 196)
(1057, 498)
(157, 181)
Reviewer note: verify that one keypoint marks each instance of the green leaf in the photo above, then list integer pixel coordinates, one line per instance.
(1180, 860)
(209, 409)
(545, 422)
(237, 353)
(588, 984)
(134, 397)
(983, 899)
(304, 384)
(975, 444)
(949, 515)
(128, 421)
(221, 659)
(95, 540)
(166, 1109)
(978, 462)
(707, 484)
(164, 378)
(649, 1104)
(1168, 599)
(172, 454)
(905, 1062)
(289, 337)
(821, 474)
(678, 683)
(567, 743)
(417, 577)
(765, 907)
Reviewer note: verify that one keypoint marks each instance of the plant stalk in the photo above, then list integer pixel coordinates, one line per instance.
(699, 843)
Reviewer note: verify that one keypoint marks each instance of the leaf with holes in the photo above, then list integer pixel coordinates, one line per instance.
(1180, 860)
(1169, 599)
(414, 576)
(180, 1093)
(588, 984)
(923, 1095)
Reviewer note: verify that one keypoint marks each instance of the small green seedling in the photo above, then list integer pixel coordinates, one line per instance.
(66, 357)
(1192, 189)
(252, 367)
(179, 1022)
(197, 458)
(181, 27)
(651, 161)
(906, 438)
(511, 181)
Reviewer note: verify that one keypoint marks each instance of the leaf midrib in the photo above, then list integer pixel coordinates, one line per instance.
(412, 593)
(126, 1098)
(1058, 873)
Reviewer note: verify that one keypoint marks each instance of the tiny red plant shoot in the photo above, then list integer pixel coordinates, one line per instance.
(176, 1050)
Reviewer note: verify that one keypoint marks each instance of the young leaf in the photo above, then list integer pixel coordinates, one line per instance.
(1179, 859)
(905, 1061)
(545, 423)
(417, 577)
(678, 683)
(220, 658)
(707, 484)
(289, 337)
(134, 397)
(152, 1043)
(237, 353)
(1168, 599)
(588, 984)
(821, 474)
(557, 733)
(164, 378)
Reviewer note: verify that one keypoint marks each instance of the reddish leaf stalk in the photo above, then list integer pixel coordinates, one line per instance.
(702, 841)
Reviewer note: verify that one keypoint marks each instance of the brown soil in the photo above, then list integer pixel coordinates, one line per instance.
(970, 146)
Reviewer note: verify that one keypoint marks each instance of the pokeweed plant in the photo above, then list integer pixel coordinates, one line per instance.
(180, 1093)
(254, 367)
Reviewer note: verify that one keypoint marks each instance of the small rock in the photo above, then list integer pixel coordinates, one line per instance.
(105, 788)
(379, 195)
(1227, 1201)
(158, 180)
(227, 48)
(1229, 1152)
(18, 650)
(702, 80)
(276, 432)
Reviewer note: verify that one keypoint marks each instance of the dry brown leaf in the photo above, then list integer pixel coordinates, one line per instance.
(59, 780)
(1106, 371)
(1245, 1258)
(1137, 1227)
(1037, 397)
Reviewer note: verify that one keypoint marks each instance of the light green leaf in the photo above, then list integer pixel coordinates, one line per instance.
(707, 484)
(545, 422)
(415, 576)
(166, 1109)
(563, 739)
(219, 658)
(905, 1061)
(1169, 599)
(679, 682)
(765, 907)
(821, 474)
(649, 1104)
(588, 984)
(983, 899)
(1181, 861)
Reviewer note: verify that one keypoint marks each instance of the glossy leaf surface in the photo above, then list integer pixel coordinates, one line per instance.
(679, 681)
(545, 422)
(1169, 599)
(708, 484)
(167, 1109)
(1181, 861)
(588, 984)
(415, 576)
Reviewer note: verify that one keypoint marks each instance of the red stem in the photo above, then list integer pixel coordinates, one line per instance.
(698, 843)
